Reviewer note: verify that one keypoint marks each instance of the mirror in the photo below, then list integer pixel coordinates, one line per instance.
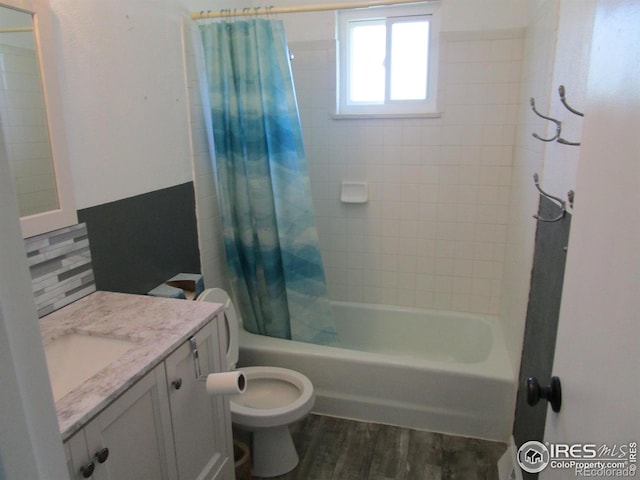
(23, 116)
(29, 99)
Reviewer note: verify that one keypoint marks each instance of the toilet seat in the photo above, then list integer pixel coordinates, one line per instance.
(231, 319)
(246, 410)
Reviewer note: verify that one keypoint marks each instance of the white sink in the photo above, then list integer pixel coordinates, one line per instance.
(74, 358)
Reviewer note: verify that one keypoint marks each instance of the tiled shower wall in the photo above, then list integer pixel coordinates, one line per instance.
(25, 131)
(433, 233)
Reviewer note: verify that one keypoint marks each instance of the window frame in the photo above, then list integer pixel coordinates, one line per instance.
(390, 15)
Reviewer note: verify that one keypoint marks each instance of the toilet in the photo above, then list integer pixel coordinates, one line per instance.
(274, 398)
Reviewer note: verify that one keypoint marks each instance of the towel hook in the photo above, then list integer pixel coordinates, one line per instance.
(567, 142)
(561, 203)
(557, 122)
(561, 91)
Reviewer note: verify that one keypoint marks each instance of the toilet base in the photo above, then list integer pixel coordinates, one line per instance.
(273, 452)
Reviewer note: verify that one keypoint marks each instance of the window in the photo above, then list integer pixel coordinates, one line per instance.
(387, 60)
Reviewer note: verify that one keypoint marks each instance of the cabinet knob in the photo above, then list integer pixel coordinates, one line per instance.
(177, 383)
(87, 470)
(102, 455)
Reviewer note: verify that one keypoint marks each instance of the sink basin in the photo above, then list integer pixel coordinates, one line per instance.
(74, 358)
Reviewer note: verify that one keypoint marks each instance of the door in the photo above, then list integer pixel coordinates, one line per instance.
(541, 326)
(596, 354)
(136, 430)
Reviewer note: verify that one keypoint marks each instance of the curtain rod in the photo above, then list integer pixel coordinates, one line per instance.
(298, 9)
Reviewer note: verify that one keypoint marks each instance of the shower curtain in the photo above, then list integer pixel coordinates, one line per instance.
(271, 242)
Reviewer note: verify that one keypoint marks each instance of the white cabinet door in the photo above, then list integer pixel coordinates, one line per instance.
(136, 430)
(201, 422)
(78, 459)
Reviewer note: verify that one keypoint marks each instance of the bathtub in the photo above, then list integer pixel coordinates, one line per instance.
(424, 369)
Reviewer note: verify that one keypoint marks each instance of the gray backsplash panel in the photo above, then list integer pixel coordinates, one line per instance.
(140, 242)
(60, 267)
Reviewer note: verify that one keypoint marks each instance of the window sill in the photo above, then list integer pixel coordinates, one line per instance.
(383, 116)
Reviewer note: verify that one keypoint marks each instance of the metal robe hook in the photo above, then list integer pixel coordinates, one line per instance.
(561, 203)
(561, 91)
(571, 196)
(557, 122)
(567, 142)
(563, 99)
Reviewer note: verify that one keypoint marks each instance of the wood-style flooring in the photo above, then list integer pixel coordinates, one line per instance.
(338, 449)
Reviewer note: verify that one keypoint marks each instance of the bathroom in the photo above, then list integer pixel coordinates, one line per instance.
(137, 134)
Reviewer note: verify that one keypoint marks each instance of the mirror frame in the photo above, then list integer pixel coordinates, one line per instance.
(43, 33)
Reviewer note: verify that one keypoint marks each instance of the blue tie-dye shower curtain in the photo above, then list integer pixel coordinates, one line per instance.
(270, 237)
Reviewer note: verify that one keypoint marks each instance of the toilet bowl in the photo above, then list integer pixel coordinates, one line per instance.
(274, 398)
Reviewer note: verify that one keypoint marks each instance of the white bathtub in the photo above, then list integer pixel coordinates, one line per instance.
(430, 370)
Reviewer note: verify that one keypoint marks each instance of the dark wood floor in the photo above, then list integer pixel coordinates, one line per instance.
(337, 449)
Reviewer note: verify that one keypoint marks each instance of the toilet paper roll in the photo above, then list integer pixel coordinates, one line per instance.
(226, 383)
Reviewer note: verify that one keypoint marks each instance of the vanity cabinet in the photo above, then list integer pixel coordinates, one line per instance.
(165, 426)
(136, 430)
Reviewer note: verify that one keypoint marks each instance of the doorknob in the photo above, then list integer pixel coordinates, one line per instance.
(552, 392)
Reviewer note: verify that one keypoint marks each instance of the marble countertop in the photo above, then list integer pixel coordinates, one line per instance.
(157, 326)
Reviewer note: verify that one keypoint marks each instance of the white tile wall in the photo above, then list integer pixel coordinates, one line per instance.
(25, 131)
(433, 233)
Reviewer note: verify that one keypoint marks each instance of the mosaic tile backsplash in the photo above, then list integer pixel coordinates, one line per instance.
(60, 267)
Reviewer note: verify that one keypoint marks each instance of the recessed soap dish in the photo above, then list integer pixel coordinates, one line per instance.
(354, 192)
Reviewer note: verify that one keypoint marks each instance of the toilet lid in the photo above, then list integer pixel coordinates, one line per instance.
(231, 319)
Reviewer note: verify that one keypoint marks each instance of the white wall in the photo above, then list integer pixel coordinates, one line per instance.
(573, 47)
(125, 97)
(556, 51)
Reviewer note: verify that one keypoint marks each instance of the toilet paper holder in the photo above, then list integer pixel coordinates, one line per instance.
(196, 360)
(235, 382)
